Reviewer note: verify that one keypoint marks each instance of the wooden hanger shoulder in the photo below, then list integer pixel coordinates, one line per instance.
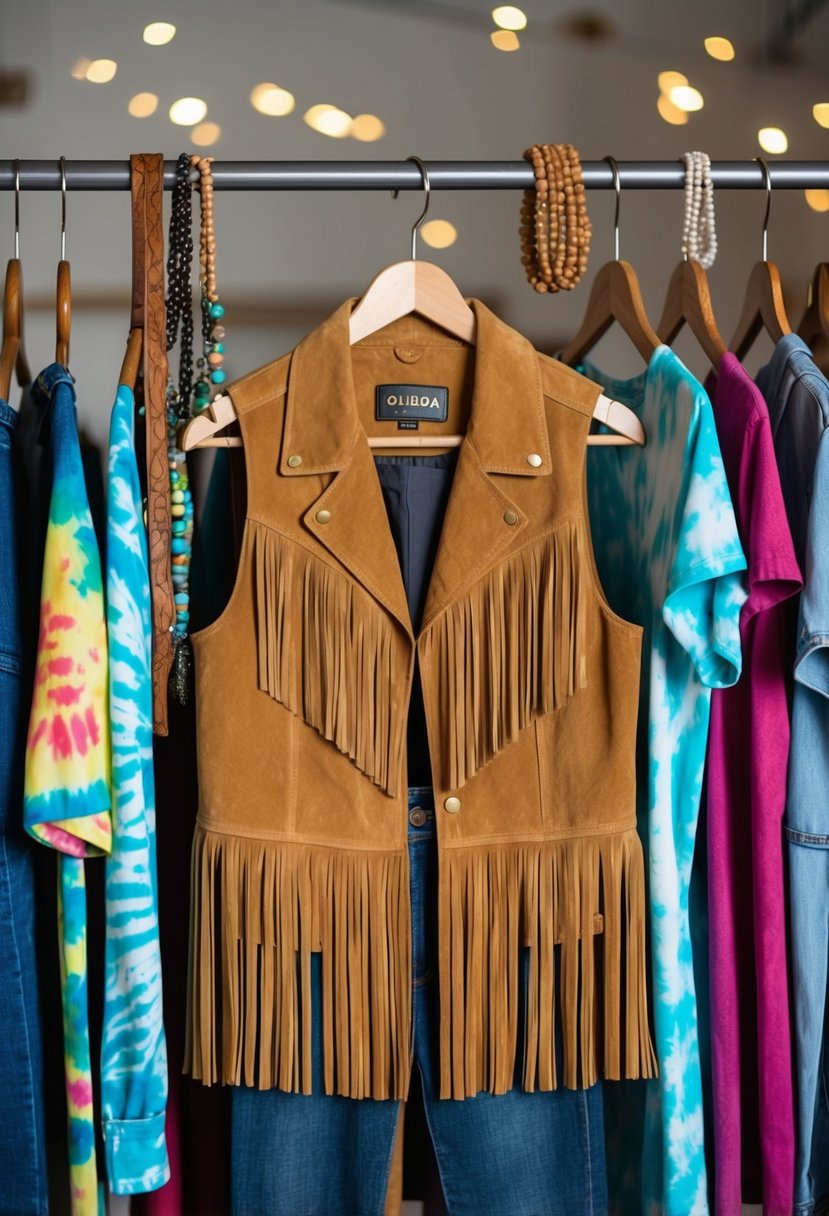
(63, 310)
(763, 308)
(614, 296)
(688, 302)
(814, 324)
(407, 287)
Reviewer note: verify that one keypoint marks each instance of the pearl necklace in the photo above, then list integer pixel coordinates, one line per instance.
(699, 235)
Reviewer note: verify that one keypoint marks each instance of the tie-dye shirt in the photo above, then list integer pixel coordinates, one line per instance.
(67, 786)
(134, 1050)
(670, 559)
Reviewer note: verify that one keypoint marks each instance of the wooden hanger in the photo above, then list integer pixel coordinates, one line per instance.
(63, 297)
(814, 324)
(12, 353)
(688, 302)
(397, 291)
(614, 296)
(763, 306)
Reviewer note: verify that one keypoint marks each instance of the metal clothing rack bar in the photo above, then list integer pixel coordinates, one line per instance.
(402, 175)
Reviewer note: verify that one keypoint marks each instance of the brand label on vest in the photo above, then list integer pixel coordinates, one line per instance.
(408, 404)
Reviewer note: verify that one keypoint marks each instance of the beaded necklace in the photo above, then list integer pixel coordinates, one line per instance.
(212, 311)
(189, 399)
(180, 316)
(555, 230)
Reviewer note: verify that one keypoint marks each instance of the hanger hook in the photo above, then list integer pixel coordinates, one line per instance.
(63, 208)
(761, 160)
(617, 186)
(427, 186)
(17, 209)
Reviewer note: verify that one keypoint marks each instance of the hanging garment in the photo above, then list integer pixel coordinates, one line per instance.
(23, 1188)
(669, 558)
(517, 1152)
(748, 753)
(303, 691)
(67, 794)
(798, 401)
(133, 1053)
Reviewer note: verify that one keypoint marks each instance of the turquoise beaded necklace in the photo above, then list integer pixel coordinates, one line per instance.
(211, 374)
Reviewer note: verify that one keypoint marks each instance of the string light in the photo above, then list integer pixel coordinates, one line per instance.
(328, 120)
(773, 140)
(142, 105)
(205, 134)
(272, 100)
(670, 80)
(670, 112)
(818, 200)
(720, 48)
(158, 33)
(440, 234)
(367, 128)
(101, 71)
(820, 113)
(505, 40)
(508, 17)
(686, 98)
(187, 111)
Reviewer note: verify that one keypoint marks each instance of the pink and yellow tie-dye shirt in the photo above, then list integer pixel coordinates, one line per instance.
(67, 784)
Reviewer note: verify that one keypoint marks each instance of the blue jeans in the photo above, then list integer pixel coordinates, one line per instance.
(518, 1154)
(22, 1139)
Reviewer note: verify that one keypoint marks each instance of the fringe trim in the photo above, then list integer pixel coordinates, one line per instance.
(249, 992)
(325, 652)
(509, 652)
(260, 908)
(577, 904)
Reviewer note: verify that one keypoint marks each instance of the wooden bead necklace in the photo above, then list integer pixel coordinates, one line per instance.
(212, 310)
(555, 229)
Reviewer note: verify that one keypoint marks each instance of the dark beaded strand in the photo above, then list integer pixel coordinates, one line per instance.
(180, 327)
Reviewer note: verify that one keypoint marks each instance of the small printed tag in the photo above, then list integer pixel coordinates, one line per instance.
(410, 404)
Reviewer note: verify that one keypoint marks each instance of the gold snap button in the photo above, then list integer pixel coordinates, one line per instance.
(534, 459)
(417, 817)
(322, 517)
(510, 518)
(294, 462)
(452, 805)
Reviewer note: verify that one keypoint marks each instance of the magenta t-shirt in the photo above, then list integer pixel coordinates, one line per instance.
(753, 1106)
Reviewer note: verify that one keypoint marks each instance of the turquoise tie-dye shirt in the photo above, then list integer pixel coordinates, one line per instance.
(133, 1048)
(670, 559)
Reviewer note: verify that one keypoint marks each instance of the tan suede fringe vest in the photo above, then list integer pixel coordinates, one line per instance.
(530, 684)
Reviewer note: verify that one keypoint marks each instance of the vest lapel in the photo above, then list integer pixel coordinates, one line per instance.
(474, 533)
(357, 531)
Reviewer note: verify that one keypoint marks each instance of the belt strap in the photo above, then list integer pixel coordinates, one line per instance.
(148, 179)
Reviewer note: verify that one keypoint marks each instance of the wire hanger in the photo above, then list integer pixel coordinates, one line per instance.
(13, 354)
(615, 296)
(763, 306)
(688, 302)
(64, 288)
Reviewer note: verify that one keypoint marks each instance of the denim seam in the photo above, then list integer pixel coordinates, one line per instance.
(38, 1166)
(381, 1210)
(10, 663)
(588, 1152)
(435, 1145)
(808, 838)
